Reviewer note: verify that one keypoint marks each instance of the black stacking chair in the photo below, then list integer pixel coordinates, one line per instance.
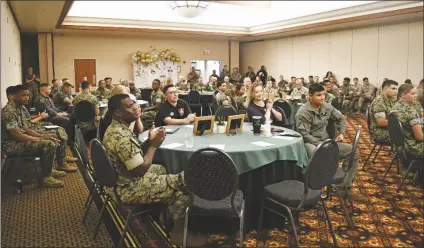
(284, 106)
(331, 129)
(225, 111)
(212, 180)
(340, 175)
(81, 149)
(106, 176)
(146, 94)
(84, 112)
(378, 143)
(214, 104)
(28, 168)
(284, 122)
(396, 135)
(195, 101)
(336, 103)
(293, 196)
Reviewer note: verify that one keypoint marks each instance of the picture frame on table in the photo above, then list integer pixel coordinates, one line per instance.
(235, 122)
(203, 125)
(179, 69)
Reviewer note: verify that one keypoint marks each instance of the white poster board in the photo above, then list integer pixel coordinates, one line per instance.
(145, 74)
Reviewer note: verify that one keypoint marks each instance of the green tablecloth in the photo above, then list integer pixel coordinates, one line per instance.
(246, 156)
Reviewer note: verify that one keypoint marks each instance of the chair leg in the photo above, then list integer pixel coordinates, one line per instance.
(261, 215)
(397, 165)
(390, 166)
(241, 226)
(124, 232)
(100, 217)
(330, 225)
(404, 176)
(186, 227)
(292, 222)
(378, 151)
(350, 221)
(87, 204)
(369, 156)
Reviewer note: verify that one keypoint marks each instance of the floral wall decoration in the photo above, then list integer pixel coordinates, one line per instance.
(154, 64)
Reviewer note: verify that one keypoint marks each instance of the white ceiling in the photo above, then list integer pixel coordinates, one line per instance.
(242, 14)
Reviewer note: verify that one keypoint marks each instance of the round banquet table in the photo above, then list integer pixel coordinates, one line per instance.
(246, 156)
(257, 166)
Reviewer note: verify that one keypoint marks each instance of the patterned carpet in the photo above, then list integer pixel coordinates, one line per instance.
(42, 217)
(52, 217)
(388, 219)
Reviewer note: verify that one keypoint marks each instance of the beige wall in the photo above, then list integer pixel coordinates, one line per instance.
(113, 53)
(390, 51)
(10, 52)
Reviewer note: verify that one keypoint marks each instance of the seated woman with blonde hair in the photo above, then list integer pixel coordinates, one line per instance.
(259, 107)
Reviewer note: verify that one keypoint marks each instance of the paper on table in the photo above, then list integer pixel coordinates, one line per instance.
(51, 126)
(172, 145)
(283, 137)
(261, 143)
(189, 126)
(221, 147)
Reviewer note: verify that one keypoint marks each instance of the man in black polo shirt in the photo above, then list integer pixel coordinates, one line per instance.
(173, 111)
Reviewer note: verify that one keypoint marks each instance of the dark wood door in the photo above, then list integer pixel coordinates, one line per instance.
(84, 68)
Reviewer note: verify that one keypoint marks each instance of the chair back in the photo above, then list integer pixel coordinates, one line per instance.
(368, 116)
(282, 123)
(322, 166)
(284, 106)
(395, 130)
(354, 147)
(103, 166)
(225, 111)
(193, 97)
(84, 111)
(81, 147)
(211, 175)
(336, 103)
(146, 95)
(104, 123)
(331, 129)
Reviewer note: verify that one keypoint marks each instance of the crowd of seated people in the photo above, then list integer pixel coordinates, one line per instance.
(142, 182)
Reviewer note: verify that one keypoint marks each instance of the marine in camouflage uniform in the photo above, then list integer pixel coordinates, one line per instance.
(347, 92)
(85, 96)
(155, 186)
(59, 134)
(409, 117)
(223, 99)
(32, 82)
(420, 97)
(211, 88)
(135, 91)
(366, 95)
(45, 149)
(59, 98)
(241, 101)
(200, 87)
(380, 108)
(101, 93)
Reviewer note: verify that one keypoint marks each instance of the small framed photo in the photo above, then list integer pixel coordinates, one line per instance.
(203, 125)
(179, 69)
(234, 122)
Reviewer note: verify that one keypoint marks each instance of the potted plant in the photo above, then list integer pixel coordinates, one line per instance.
(221, 125)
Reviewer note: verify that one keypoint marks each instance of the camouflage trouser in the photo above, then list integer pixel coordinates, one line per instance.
(157, 186)
(61, 135)
(45, 149)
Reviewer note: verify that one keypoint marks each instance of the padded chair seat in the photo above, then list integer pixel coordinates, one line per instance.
(339, 176)
(290, 193)
(221, 208)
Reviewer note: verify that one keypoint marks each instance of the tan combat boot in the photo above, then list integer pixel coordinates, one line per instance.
(51, 182)
(71, 159)
(58, 174)
(67, 168)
